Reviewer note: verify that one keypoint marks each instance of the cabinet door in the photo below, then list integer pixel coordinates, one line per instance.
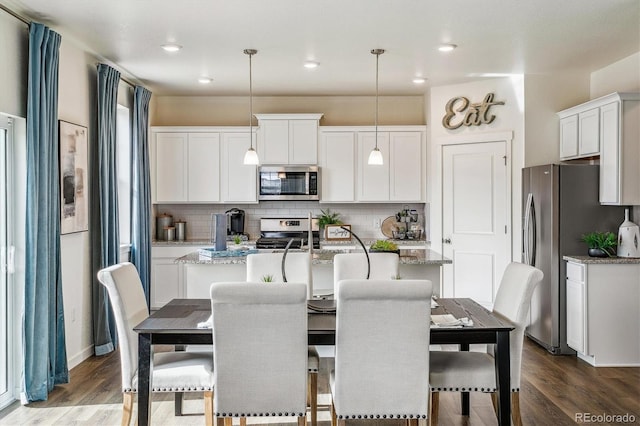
(338, 166)
(589, 132)
(303, 142)
(203, 171)
(569, 137)
(238, 180)
(576, 315)
(171, 167)
(405, 166)
(373, 181)
(273, 146)
(610, 154)
(165, 281)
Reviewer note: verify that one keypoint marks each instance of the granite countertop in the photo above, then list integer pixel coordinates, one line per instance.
(320, 257)
(603, 260)
(323, 243)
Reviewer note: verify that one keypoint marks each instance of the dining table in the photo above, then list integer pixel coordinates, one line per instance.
(176, 323)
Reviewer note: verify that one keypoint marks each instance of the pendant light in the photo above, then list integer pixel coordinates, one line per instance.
(251, 156)
(375, 157)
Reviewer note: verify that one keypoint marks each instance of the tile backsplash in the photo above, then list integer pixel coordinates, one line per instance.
(361, 217)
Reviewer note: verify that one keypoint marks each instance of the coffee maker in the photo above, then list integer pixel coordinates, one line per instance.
(235, 221)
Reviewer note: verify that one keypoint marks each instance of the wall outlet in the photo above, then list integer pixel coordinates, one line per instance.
(376, 223)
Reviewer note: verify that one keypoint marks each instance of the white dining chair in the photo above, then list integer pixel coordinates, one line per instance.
(297, 269)
(382, 350)
(172, 371)
(467, 371)
(384, 266)
(260, 350)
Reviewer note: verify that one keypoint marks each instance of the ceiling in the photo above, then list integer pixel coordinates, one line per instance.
(494, 38)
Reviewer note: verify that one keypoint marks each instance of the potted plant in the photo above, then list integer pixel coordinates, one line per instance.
(328, 218)
(384, 246)
(601, 244)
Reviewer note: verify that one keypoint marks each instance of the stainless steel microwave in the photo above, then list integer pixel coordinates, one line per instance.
(289, 183)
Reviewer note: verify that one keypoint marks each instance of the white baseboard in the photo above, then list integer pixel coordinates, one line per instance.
(79, 357)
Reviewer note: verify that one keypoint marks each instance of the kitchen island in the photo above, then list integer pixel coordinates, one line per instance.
(200, 271)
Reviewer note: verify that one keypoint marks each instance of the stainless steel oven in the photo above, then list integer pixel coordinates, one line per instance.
(289, 183)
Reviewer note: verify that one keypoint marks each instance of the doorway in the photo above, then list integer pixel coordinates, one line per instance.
(476, 218)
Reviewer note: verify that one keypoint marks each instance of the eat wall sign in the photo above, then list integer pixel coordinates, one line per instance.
(460, 112)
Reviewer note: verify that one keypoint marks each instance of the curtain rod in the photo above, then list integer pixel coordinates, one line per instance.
(133, 85)
(15, 15)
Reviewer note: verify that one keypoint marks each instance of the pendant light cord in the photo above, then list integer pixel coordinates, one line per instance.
(377, 52)
(250, 102)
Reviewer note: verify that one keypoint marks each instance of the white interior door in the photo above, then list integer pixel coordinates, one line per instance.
(476, 218)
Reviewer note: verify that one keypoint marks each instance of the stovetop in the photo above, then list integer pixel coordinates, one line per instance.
(275, 233)
(281, 242)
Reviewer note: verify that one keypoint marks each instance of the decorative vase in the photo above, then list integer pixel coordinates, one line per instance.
(628, 238)
(596, 252)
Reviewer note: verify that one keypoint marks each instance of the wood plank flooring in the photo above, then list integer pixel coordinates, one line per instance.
(554, 389)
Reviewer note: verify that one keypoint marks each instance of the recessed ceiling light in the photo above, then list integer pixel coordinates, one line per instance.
(171, 47)
(311, 64)
(205, 80)
(419, 80)
(447, 47)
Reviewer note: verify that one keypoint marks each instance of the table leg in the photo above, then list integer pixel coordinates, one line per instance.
(464, 396)
(503, 377)
(144, 379)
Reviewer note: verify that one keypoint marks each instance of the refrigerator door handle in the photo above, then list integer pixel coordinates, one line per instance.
(530, 231)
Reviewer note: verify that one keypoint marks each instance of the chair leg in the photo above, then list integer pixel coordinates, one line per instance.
(178, 403)
(515, 409)
(221, 421)
(228, 421)
(334, 419)
(435, 406)
(302, 421)
(208, 407)
(412, 422)
(494, 402)
(313, 397)
(243, 421)
(127, 408)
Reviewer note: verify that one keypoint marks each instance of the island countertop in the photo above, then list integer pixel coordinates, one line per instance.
(602, 260)
(322, 256)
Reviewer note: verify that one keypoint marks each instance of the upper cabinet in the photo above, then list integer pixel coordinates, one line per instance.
(608, 127)
(201, 165)
(288, 138)
(347, 176)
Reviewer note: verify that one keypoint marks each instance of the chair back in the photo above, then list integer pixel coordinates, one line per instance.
(129, 309)
(346, 266)
(297, 267)
(260, 348)
(512, 302)
(382, 348)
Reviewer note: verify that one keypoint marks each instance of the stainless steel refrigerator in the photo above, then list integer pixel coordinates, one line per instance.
(559, 205)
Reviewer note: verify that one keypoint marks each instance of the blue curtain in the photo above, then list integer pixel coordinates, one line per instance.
(45, 356)
(141, 188)
(105, 240)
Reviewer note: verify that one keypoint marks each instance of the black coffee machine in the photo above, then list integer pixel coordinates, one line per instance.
(235, 221)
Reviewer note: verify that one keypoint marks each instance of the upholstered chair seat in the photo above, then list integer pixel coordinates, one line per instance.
(384, 266)
(475, 371)
(382, 350)
(172, 371)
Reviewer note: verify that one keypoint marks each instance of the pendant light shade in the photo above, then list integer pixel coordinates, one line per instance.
(375, 158)
(251, 156)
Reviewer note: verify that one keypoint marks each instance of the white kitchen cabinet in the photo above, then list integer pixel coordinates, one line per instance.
(373, 181)
(288, 138)
(603, 310)
(238, 181)
(620, 156)
(167, 277)
(569, 137)
(338, 166)
(183, 167)
(579, 134)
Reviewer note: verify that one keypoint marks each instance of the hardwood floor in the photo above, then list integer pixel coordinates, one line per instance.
(554, 389)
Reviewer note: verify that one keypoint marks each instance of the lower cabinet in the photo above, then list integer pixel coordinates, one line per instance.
(167, 277)
(603, 311)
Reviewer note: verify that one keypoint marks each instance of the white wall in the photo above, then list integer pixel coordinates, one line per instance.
(620, 76)
(14, 37)
(509, 117)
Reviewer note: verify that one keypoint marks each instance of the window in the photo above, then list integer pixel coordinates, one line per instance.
(123, 171)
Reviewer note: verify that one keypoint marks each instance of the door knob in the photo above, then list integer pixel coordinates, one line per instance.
(446, 240)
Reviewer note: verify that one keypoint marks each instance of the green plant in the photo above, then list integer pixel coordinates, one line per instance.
(396, 277)
(328, 218)
(605, 241)
(384, 245)
(267, 278)
(237, 240)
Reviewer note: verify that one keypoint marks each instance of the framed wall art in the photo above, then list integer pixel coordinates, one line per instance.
(336, 233)
(74, 196)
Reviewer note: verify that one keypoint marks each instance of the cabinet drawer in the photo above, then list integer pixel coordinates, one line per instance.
(575, 272)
